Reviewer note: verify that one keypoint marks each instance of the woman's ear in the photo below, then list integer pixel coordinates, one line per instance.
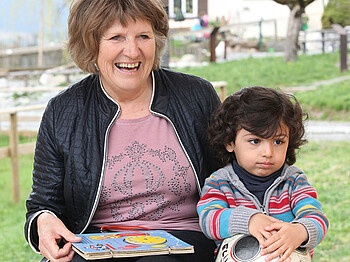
(230, 147)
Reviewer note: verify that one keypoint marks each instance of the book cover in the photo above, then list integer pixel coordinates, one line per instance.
(130, 244)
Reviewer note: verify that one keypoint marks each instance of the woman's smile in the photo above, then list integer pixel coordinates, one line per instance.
(128, 67)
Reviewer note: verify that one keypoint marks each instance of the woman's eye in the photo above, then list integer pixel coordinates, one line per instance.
(144, 36)
(117, 37)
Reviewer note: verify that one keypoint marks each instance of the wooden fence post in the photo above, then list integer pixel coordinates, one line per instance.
(343, 52)
(343, 46)
(14, 157)
(212, 44)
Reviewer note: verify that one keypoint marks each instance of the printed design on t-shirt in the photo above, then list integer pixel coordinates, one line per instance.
(133, 158)
(105, 194)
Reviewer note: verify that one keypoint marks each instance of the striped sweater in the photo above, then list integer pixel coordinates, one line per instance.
(226, 205)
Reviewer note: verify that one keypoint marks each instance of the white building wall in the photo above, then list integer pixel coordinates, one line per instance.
(245, 11)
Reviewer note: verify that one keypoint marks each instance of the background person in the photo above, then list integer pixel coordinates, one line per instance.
(125, 146)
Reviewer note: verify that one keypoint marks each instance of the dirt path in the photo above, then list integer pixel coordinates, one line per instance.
(317, 84)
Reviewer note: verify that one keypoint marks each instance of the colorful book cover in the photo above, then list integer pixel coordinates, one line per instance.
(130, 244)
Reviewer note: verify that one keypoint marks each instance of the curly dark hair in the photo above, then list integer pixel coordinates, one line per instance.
(261, 111)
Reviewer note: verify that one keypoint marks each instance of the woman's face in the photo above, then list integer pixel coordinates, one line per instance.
(126, 58)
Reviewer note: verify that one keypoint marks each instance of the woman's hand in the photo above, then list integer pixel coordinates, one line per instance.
(51, 230)
(287, 238)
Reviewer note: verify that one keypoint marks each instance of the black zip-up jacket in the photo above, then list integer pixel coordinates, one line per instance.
(70, 154)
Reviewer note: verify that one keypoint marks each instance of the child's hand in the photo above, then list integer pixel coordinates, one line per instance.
(287, 237)
(257, 225)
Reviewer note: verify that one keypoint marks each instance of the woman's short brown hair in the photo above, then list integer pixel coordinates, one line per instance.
(89, 19)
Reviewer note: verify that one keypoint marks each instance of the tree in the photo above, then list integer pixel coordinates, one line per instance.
(336, 12)
(297, 8)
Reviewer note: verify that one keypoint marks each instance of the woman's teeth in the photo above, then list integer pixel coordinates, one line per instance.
(128, 67)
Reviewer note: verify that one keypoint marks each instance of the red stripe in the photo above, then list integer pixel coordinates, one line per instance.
(216, 224)
(110, 247)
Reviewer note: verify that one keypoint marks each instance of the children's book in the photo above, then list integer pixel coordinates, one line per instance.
(130, 244)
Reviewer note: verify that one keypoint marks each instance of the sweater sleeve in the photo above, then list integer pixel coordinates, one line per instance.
(308, 212)
(219, 216)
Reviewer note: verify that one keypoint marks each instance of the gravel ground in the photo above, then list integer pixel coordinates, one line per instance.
(331, 131)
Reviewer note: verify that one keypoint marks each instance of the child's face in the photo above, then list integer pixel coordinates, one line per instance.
(260, 156)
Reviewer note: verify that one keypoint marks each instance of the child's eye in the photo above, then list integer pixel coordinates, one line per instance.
(254, 141)
(278, 142)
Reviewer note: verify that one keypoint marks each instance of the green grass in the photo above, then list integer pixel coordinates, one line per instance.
(331, 102)
(327, 166)
(271, 71)
(13, 246)
(327, 101)
(330, 175)
(5, 141)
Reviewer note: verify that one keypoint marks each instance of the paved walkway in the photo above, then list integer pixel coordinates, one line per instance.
(327, 130)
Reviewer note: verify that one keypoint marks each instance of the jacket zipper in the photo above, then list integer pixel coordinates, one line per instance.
(105, 146)
(267, 195)
(183, 149)
(255, 200)
(176, 133)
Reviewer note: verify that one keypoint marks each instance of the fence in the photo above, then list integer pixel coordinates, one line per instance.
(325, 40)
(15, 150)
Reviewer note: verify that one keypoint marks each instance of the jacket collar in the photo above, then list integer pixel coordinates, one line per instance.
(158, 99)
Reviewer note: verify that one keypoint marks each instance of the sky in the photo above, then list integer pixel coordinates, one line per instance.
(22, 17)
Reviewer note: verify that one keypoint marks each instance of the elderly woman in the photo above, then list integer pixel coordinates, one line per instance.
(126, 146)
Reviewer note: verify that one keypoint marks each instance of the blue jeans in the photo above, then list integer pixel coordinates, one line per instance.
(203, 247)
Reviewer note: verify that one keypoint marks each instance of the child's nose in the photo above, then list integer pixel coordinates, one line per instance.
(267, 149)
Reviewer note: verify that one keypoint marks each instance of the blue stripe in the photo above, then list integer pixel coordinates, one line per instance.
(225, 220)
(223, 204)
(307, 201)
(285, 217)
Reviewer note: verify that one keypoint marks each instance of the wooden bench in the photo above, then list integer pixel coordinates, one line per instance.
(223, 89)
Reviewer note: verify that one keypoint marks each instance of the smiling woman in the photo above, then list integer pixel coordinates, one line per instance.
(125, 60)
(91, 21)
(125, 146)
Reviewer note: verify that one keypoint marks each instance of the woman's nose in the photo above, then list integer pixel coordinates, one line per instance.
(131, 49)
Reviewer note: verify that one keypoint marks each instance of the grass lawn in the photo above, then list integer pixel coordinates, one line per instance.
(271, 71)
(328, 102)
(325, 163)
(327, 166)
(13, 246)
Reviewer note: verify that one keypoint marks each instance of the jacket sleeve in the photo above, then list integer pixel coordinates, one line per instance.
(307, 211)
(48, 176)
(219, 215)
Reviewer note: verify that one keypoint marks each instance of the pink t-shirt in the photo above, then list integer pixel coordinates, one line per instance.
(148, 180)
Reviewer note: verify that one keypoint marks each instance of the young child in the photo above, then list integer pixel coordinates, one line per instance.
(255, 133)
